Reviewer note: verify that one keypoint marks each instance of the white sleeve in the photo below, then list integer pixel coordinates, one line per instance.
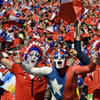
(36, 70)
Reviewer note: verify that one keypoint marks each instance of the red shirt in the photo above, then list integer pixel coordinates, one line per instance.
(27, 88)
(89, 81)
(6, 95)
(96, 75)
(96, 84)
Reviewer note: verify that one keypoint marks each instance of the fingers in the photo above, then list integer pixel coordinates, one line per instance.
(95, 57)
(79, 24)
(24, 63)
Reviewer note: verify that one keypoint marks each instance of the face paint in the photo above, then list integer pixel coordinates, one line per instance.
(59, 59)
(34, 54)
(33, 57)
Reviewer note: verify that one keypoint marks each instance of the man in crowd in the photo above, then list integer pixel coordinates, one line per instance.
(61, 79)
(28, 87)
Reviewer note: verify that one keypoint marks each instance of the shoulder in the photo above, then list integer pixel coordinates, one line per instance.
(16, 68)
(16, 65)
(73, 69)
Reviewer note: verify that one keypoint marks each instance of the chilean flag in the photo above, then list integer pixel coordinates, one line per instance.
(70, 10)
(14, 12)
(5, 37)
(53, 28)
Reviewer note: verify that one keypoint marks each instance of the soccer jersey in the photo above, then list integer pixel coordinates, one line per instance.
(96, 83)
(28, 88)
(89, 81)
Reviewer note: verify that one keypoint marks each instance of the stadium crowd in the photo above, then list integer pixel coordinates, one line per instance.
(35, 23)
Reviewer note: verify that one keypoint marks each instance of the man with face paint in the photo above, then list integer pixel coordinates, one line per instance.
(28, 87)
(34, 56)
(61, 79)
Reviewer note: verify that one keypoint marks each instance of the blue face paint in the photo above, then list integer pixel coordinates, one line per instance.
(36, 49)
(98, 47)
(34, 57)
(59, 59)
(99, 52)
(55, 56)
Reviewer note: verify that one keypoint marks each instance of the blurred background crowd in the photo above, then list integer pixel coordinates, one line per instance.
(24, 21)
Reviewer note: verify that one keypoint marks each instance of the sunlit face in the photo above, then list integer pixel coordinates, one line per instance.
(17, 58)
(73, 53)
(59, 59)
(33, 58)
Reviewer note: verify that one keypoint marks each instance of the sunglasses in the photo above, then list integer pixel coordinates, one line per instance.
(61, 56)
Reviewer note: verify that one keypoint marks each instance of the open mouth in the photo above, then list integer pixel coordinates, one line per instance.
(33, 61)
(60, 63)
(75, 55)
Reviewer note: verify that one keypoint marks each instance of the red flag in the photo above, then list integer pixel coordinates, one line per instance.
(71, 10)
(69, 37)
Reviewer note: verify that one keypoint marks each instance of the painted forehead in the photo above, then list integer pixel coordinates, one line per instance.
(35, 49)
(59, 52)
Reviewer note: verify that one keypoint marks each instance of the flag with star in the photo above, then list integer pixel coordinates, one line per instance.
(53, 29)
(56, 83)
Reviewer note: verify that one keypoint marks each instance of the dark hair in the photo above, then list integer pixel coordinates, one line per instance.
(49, 38)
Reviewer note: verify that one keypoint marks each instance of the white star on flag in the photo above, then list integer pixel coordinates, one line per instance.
(56, 86)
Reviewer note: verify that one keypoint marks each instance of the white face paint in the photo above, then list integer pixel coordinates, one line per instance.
(59, 60)
(33, 57)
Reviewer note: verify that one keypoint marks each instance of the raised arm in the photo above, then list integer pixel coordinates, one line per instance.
(80, 55)
(87, 69)
(7, 63)
(36, 70)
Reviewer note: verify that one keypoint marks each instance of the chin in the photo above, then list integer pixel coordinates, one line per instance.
(60, 67)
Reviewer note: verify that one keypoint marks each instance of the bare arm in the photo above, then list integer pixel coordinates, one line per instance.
(7, 63)
(86, 69)
(36, 70)
(77, 30)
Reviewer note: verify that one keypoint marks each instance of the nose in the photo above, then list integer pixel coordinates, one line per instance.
(33, 57)
(58, 56)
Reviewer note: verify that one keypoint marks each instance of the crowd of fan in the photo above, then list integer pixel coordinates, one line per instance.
(36, 17)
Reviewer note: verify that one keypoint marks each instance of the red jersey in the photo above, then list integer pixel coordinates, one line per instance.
(27, 88)
(96, 83)
(6, 95)
(96, 78)
(89, 81)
